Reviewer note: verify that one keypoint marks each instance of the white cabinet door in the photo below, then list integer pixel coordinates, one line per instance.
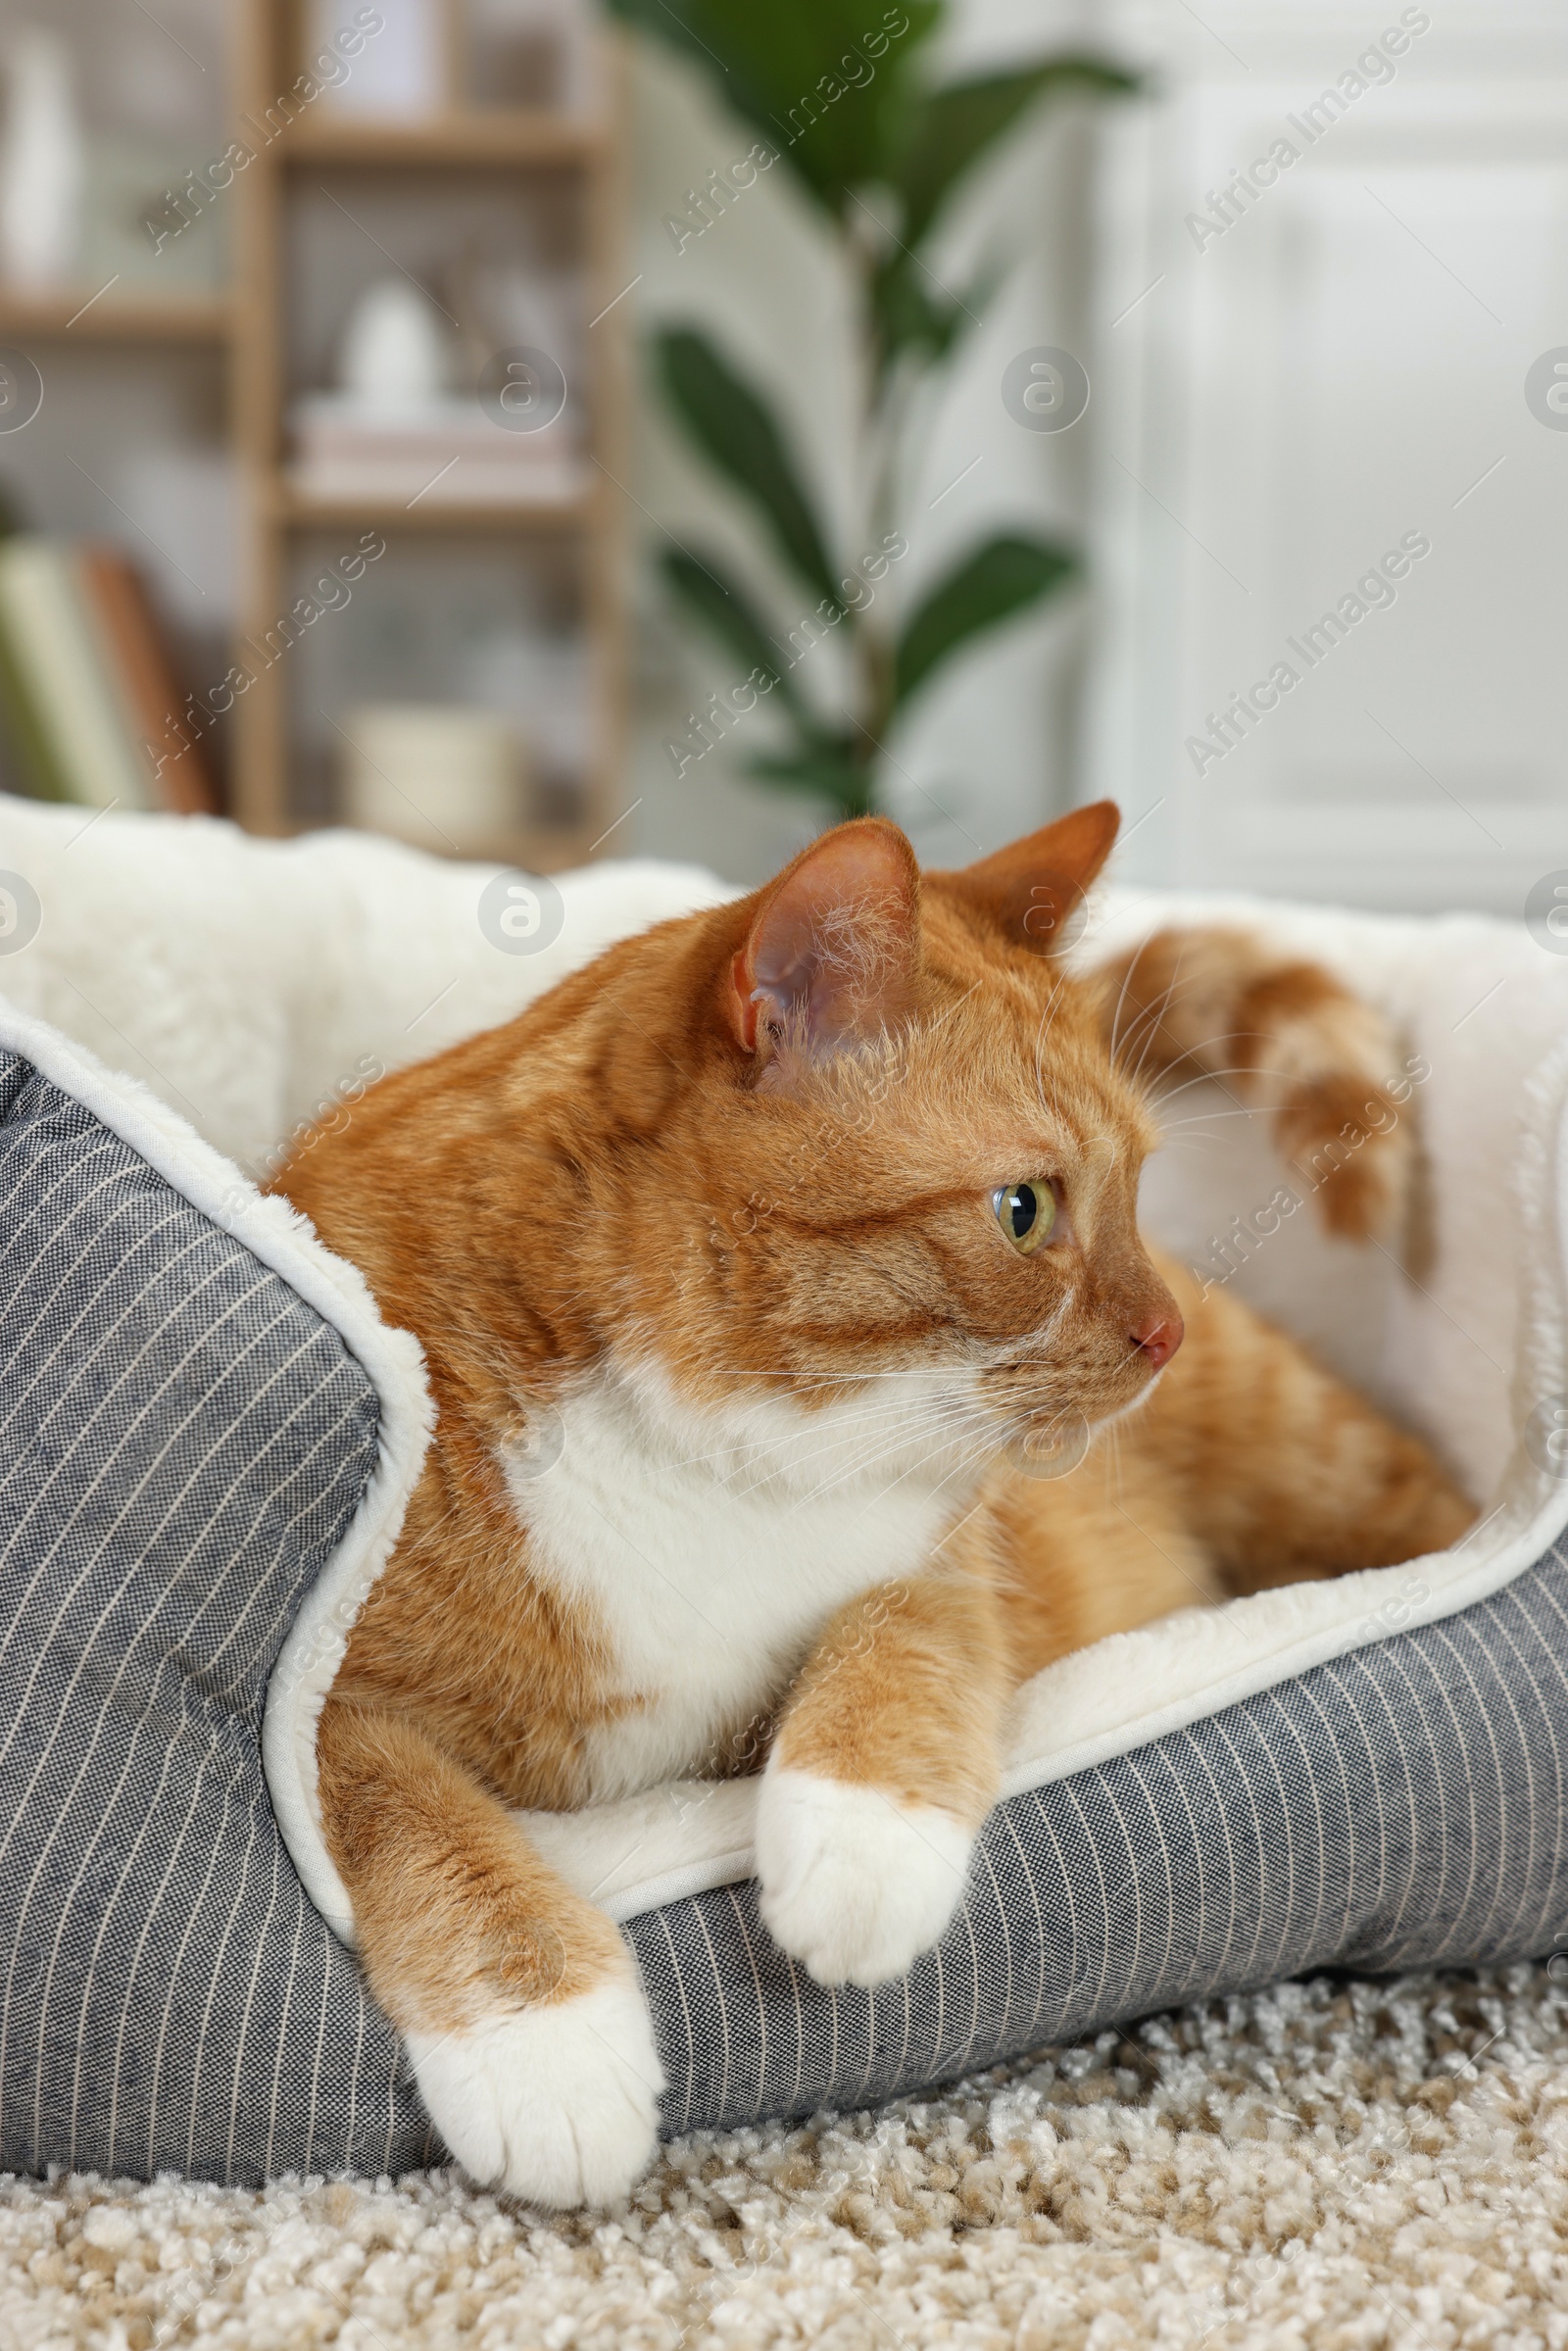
(1334, 555)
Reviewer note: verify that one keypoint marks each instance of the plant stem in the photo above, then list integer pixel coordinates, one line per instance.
(877, 467)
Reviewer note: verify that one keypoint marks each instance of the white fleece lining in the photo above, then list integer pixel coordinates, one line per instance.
(670, 1843)
(391, 1360)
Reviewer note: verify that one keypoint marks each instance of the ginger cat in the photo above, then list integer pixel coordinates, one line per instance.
(746, 1264)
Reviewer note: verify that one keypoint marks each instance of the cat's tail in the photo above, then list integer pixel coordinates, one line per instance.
(1280, 1034)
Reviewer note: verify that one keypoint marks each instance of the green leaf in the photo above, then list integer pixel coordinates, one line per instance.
(910, 318)
(730, 617)
(1001, 577)
(824, 82)
(729, 614)
(832, 86)
(735, 432)
(830, 773)
(950, 129)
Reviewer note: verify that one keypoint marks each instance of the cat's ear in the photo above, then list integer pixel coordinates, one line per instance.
(1032, 888)
(833, 949)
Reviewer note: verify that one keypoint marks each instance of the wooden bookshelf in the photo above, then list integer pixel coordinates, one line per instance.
(293, 510)
(534, 157)
(481, 139)
(516, 145)
(101, 316)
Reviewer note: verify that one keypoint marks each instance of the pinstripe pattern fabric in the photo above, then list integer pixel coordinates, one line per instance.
(1402, 1805)
(182, 1443)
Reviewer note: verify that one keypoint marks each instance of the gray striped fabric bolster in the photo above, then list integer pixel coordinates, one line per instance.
(1402, 1805)
(184, 1441)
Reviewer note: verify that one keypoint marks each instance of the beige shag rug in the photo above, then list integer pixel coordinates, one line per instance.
(1334, 2163)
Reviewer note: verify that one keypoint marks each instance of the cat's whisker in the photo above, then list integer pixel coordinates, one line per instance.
(857, 1468)
(934, 1416)
(936, 1421)
(1153, 1014)
(904, 1410)
(970, 1450)
(1237, 1069)
(1176, 986)
(763, 1435)
(1029, 1346)
(1187, 1144)
(794, 1378)
(1203, 1118)
(1121, 997)
(958, 1468)
(791, 1461)
(1190, 1051)
(873, 1409)
(1041, 1034)
(1157, 1009)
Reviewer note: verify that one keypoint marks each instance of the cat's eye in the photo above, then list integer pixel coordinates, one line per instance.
(1026, 1213)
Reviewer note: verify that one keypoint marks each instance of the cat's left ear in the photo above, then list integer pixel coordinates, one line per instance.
(1031, 890)
(833, 949)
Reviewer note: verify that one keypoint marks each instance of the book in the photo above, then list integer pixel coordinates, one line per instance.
(87, 694)
(58, 662)
(448, 449)
(33, 752)
(176, 776)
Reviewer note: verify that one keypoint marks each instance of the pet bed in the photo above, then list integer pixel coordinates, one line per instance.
(210, 1438)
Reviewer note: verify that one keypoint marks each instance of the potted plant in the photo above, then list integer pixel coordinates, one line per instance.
(881, 145)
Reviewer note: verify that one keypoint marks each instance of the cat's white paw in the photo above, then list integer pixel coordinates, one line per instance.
(853, 1885)
(556, 2104)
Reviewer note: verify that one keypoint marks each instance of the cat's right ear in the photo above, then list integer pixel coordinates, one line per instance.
(833, 949)
(1032, 890)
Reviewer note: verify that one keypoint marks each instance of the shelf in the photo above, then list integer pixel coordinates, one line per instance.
(486, 136)
(297, 512)
(567, 523)
(539, 849)
(105, 316)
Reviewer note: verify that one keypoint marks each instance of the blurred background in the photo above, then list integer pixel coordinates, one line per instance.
(540, 430)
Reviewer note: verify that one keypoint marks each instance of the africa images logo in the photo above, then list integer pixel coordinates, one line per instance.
(520, 914)
(1546, 389)
(1373, 592)
(1373, 68)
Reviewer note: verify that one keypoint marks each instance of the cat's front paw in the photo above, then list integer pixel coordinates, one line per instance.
(554, 2103)
(854, 1884)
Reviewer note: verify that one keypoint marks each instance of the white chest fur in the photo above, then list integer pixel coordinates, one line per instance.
(710, 1548)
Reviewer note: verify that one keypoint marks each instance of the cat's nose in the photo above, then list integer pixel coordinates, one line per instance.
(1158, 1337)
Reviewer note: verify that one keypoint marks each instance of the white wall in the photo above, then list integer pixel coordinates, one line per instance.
(1345, 365)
